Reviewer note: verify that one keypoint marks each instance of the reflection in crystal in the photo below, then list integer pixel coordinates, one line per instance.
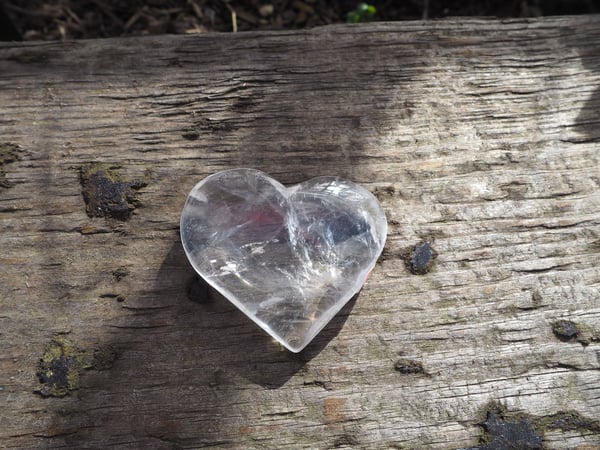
(288, 258)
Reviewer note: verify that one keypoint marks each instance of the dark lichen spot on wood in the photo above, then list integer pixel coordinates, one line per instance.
(383, 193)
(420, 259)
(59, 368)
(345, 440)
(565, 330)
(106, 194)
(510, 435)
(190, 135)
(104, 357)
(117, 297)
(9, 153)
(120, 273)
(523, 431)
(568, 421)
(197, 290)
(409, 367)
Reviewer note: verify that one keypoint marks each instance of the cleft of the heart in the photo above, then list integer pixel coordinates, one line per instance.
(289, 258)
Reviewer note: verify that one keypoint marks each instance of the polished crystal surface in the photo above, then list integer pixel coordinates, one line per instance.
(289, 258)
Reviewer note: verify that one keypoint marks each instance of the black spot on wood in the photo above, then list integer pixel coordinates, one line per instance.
(8, 153)
(197, 290)
(190, 135)
(409, 367)
(120, 273)
(106, 194)
(56, 377)
(565, 330)
(504, 435)
(420, 259)
(569, 421)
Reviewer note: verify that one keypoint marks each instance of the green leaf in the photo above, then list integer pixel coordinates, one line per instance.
(362, 13)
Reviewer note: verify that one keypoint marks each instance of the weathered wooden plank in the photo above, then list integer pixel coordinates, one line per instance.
(479, 136)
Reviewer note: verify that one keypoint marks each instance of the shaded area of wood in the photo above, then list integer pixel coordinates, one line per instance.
(478, 137)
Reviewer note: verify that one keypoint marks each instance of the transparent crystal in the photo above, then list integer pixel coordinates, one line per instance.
(289, 258)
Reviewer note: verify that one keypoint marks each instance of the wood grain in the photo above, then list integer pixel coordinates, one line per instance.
(481, 137)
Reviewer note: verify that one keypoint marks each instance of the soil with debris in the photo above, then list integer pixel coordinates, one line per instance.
(84, 19)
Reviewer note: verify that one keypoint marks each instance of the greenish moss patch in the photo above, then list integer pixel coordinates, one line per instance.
(59, 368)
(8, 153)
(62, 364)
(107, 194)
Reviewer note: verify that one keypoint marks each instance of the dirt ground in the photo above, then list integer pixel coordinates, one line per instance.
(84, 19)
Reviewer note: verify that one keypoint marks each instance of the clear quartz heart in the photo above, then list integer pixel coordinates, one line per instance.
(288, 258)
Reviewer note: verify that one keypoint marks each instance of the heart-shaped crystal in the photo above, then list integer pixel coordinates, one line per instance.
(289, 258)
